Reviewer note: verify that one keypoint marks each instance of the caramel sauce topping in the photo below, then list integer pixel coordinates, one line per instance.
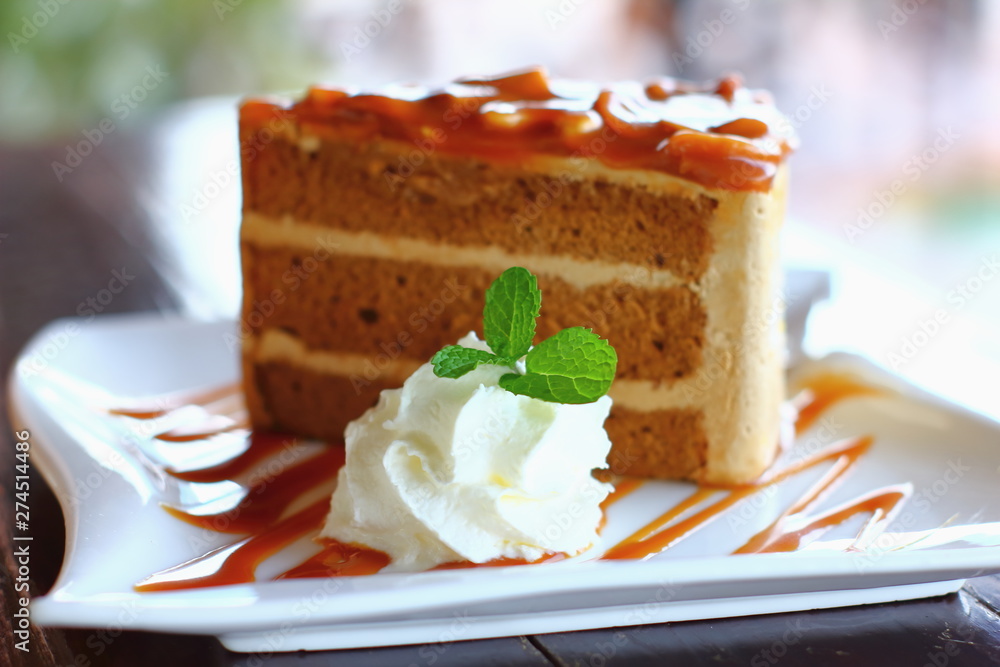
(719, 135)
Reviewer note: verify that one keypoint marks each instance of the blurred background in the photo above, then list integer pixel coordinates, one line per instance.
(127, 109)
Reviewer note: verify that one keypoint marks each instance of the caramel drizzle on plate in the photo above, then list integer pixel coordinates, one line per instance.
(794, 526)
(260, 511)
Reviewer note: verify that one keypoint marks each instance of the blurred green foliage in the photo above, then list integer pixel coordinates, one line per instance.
(66, 64)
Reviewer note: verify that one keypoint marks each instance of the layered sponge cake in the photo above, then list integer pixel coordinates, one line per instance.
(374, 222)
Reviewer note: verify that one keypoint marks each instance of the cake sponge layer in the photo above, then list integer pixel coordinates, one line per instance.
(301, 400)
(558, 211)
(645, 444)
(371, 305)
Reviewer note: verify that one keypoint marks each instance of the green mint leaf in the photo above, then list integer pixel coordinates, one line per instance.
(513, 302)
(455, 361)
(574, 366)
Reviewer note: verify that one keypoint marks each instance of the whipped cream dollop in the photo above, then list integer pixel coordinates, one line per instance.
(446, 470)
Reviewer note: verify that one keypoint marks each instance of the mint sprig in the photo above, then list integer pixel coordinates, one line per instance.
(513, 302)
(573, 366)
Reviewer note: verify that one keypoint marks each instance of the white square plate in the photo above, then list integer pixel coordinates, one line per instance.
(108, 474)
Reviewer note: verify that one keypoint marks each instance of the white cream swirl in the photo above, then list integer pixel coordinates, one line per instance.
(447, 470)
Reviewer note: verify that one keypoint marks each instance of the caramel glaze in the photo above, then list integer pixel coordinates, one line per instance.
(152, 409)
(791, 529)
(787, 533)
(338, 560)
(653, 538)
(259, 446)
(719, 135)
(266, 498)
(203, 431)
(261, 516)
(237, 563)
(820, 392)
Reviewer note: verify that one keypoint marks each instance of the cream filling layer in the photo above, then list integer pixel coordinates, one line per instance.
(262, 230)
(278, 346)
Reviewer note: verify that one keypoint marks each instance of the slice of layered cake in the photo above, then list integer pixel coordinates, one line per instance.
(373, 223)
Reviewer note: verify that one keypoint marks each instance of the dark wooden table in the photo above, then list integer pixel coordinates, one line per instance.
(59, 243)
